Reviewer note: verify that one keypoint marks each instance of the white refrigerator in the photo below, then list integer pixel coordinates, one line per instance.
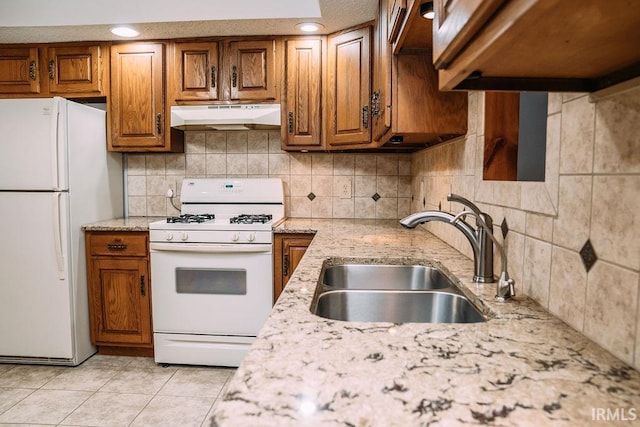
(55, 176)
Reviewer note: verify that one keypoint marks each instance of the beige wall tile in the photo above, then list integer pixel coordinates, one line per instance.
(567, 292)
(365, 207)
(539, 226)
(155, 164)
(365, 185)
(617, 140)
(216, 142)
(322, 185)
(387, 208)
(343, 208)
(156, 206)
(194, 142)
(136, 164)
(387, 164)
(300, 164)
(300, 207)
(175, 164)
(611, 308)
(137, 205)
(195, 165)
(577, 136)
(404, 206)
(258, 141)
(237, 142)
(554, 103)
(552, 157)
(615, 222)
(322, 164)
(136, 185)
(156, 186)
(322, 207)
(571, 226)
(339, 181)
(404, 165)
(279, 164)
(387, 185)
(514, 248)
(237, 164)
(344, 164)
(404, 186)
(216, 164)
(257, 164)
(365, 164)
(537, 270)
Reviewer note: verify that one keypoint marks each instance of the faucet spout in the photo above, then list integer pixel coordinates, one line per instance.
(415, 219)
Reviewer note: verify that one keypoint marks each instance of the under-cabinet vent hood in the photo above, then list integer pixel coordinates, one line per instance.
(225, 117)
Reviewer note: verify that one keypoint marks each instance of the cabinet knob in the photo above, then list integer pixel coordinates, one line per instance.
(32, 70)
(290, 120)
(52, 70)
(234, 76)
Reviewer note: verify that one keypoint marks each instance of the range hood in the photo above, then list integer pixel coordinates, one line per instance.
(225, 117)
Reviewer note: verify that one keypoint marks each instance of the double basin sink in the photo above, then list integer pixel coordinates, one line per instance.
(397, 293)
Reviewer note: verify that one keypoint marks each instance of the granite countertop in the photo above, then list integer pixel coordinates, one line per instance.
(133, 223)
(522, 367)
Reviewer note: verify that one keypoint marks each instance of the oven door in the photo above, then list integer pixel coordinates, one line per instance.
(210, 289)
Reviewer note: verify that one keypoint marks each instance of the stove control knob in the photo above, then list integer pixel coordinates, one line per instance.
(168, 236)
(184, 237)
(251, 237)
(235, 237)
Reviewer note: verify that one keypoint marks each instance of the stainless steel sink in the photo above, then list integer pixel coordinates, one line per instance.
(396, 293)
(397, 307)
(389, 277)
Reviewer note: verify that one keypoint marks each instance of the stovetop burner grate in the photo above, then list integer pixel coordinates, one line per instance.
(251, 219)
(190, 218)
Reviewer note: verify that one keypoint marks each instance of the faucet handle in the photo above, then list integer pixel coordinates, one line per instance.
(459, 199)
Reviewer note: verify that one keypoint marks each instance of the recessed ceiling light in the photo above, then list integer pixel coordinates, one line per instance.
(124, 32)
(309, 27)
(426, 10)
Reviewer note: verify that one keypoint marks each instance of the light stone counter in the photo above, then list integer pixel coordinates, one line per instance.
(134, 223)
(522, 367)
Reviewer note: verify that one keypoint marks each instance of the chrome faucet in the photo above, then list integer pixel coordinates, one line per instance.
(481, 241)
(481, 245)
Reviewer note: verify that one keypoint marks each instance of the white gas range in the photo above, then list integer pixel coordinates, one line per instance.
(212, 270)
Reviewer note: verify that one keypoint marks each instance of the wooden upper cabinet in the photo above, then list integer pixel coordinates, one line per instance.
(381, 96)
(393, 15)
(137, 97)
(348, 89)
(301, 107)
(72, 70)
(19, 70)
(252, 70)
(455, 23)
(536, 45)
(196, 69)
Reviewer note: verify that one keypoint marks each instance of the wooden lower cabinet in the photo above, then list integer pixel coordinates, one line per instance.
(288, 249)
(119, 292)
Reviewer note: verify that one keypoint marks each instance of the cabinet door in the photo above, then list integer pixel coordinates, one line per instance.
(455, 23)
(349, 88)
(120, 301)
(288, 251)
(74, 70)
(381, 95)
(302, 109)
(394, 13)
(196, 71)
(137, 97)
(19, 70)
(252, 70)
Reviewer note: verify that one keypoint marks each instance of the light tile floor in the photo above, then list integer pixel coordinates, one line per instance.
(110, 391)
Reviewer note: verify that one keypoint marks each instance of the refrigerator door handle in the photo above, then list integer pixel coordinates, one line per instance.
(55, 113)
(57, 235)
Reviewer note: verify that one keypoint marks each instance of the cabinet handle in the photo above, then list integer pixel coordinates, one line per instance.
(52, 70)
(234, 76)
(32, 70)
(142, 290)
(365, 116)
(159, 123)
(117, 246)
(285, 265)
(290, 122)
(375, 104)
(213, 77)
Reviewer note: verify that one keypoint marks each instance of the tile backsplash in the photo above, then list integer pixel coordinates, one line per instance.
(312, 181)
(591, 194)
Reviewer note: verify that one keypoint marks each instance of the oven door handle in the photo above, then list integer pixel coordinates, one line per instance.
(211, 248)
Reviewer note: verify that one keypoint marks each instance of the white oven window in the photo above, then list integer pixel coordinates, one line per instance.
(216, 281)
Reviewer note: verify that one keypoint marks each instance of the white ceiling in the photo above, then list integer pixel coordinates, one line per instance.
(31, 21)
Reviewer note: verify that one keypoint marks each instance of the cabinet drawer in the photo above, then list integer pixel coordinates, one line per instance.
(118, 244)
